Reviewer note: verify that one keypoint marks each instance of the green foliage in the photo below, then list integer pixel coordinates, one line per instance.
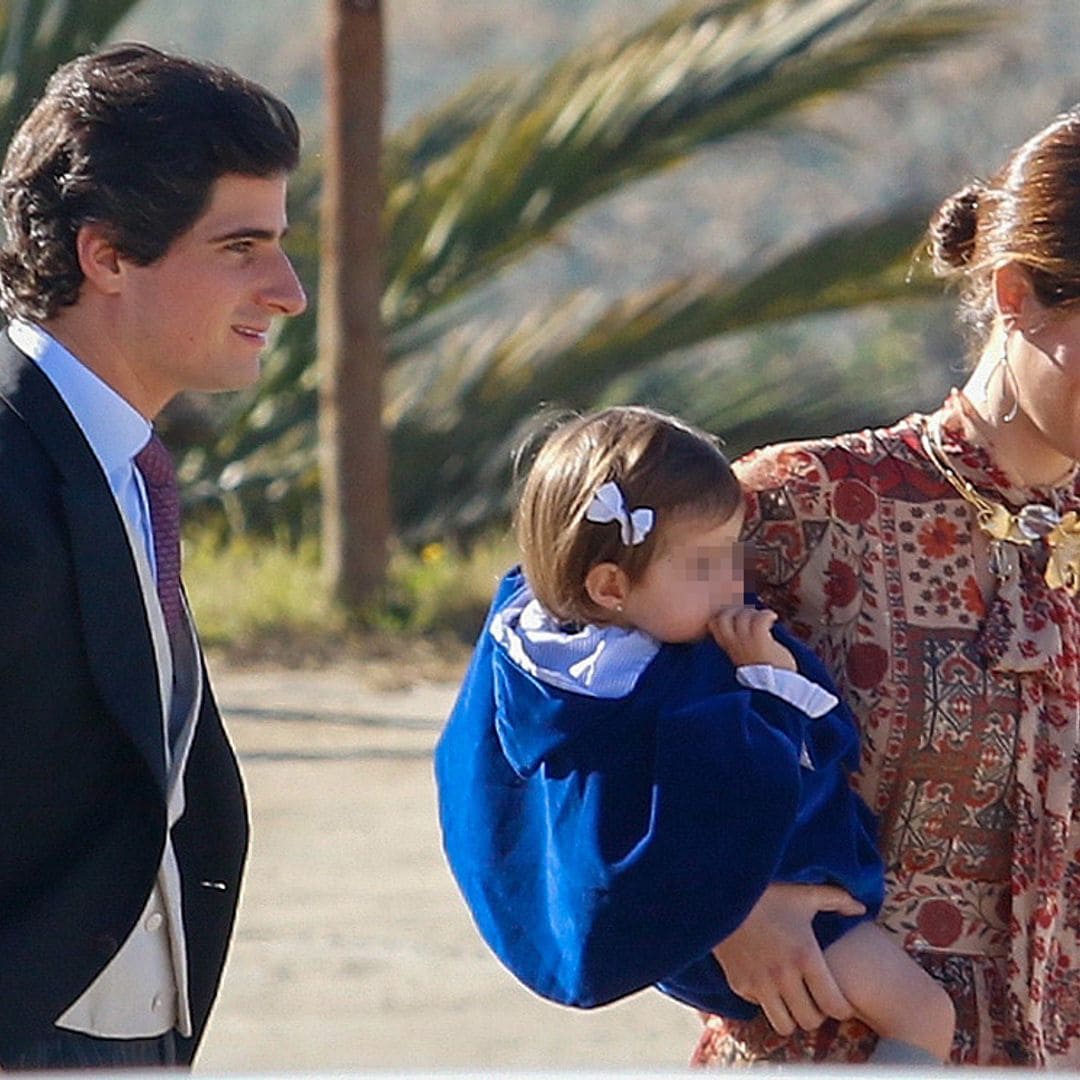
(781, 384)
(441, 589)
(247, 590)
(487, 179)
(464, 427)
(608, 115)
(265, 598)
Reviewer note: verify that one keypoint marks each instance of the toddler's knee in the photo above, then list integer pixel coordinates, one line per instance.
(941, 1020)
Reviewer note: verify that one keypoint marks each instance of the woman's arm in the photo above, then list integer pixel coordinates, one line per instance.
(773, 957)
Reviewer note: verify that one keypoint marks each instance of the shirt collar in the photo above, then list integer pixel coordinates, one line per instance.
(115, 430)
(597, 661)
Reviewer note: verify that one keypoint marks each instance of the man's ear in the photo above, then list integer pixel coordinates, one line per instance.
(607, 586)
(99, 259)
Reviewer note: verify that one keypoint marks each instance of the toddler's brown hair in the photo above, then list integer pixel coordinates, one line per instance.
(658, 461)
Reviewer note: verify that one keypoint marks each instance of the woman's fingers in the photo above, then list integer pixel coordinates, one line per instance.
(801, 1005)
(778, 1015)
(803, 999)
(774, 959)
(833, 898)
(824, 990)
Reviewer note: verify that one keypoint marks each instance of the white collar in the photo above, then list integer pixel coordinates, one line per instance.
(597, 661)
(115, 430)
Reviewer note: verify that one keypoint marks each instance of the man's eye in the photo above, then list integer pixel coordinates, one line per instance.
(701, 567)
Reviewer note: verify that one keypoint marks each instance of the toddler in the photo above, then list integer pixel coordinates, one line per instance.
(637, 752)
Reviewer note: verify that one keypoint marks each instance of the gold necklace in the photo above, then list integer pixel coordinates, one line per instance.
(1032, 524)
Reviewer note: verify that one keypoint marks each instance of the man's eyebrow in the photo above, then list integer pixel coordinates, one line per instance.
(249, 234)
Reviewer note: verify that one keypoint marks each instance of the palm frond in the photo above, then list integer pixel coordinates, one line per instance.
(852, 266)
(493, 173)
(439, 132)
(608, 116)
(458, 425)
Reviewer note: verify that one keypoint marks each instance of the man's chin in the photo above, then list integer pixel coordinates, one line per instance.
(238, 377)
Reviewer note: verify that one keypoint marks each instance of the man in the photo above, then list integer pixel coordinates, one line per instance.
(143, 202)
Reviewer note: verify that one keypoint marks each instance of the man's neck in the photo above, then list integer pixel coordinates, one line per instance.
(93, 340)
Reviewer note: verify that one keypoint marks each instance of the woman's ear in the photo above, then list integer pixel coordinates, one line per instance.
(607, 586)
(1014, 295)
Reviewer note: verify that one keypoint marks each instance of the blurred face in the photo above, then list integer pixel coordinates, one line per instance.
(696, 571)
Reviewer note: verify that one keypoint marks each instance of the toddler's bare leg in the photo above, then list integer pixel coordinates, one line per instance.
(890, 992)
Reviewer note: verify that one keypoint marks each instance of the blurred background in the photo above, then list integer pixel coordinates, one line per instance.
(712, 207)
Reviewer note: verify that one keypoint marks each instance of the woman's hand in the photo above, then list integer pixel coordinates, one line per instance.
(745, 634)
(773, 958)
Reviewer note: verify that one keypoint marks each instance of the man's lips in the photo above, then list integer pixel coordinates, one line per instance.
(255, 334)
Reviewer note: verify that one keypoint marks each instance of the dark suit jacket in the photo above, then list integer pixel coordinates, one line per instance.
(82, 764)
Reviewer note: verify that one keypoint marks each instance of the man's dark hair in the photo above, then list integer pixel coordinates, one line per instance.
(132, 138)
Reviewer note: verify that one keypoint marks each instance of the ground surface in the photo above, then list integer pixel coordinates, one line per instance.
(353, 949)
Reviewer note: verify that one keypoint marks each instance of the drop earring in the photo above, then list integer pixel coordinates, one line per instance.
(1008, 380)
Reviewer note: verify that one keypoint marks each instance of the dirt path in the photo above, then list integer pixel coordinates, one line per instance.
(353, 949)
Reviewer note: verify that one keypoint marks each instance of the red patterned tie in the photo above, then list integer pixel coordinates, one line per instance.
(156, 466)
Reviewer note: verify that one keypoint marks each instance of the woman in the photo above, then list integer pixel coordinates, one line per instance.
(934, 566)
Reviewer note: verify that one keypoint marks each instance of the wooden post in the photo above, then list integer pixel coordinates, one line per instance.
(354, 468)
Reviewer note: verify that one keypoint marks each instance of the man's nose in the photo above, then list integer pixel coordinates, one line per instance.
(284, 294)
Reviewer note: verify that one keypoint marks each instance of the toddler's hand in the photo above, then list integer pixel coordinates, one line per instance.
(745, 634)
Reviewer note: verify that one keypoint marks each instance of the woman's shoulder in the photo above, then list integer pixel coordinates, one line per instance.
(807, 465)
(810, 504)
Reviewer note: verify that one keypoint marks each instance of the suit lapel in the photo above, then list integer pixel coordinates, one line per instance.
(118, 639)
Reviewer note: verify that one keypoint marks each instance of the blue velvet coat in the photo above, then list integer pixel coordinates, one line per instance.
(605, 845)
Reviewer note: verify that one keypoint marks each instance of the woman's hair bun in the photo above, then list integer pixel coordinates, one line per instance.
(953, 228)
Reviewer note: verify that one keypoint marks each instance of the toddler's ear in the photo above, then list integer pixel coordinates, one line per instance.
(607, 586)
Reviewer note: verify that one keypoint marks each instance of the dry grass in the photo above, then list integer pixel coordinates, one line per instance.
(263, 604)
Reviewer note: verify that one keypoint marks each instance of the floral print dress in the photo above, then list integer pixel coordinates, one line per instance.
(968, 698)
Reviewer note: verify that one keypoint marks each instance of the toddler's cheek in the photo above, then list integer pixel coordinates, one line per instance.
(750, 580)
(727, 590)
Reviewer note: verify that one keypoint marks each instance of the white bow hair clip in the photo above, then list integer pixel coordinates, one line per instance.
(608, 504)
